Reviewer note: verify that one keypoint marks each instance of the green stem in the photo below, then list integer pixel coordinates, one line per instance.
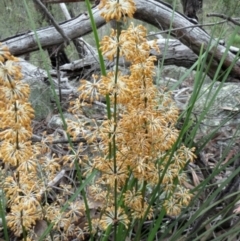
(114, 134)
(3, 217)
(60, 110)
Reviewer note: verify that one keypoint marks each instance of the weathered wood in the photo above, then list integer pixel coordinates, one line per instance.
(82, 47)
(160, 15)
(56, 54)
(176, 54)
(154, 12)
(71, 72)
(77, 27)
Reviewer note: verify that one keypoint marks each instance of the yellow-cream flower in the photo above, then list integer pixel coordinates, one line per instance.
(16, 131)
(117, 9)
(110, 218)
(4, 53)
(20, 111)
(13, 91)
(126, 45)
(183, 196)
(89, 89)
(172, 207)
(109, 45)
(22, 216)
(133, 199)
(118, 85)
(9, 70)
(16, 153)
(140, 211)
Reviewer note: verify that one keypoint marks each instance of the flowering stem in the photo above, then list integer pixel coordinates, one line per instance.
(79, 174)
(115, 128)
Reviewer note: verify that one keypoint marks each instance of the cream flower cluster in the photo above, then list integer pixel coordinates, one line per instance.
(137, 139)
(16, 150)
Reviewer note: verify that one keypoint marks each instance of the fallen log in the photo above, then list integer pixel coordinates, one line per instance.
(154, 12)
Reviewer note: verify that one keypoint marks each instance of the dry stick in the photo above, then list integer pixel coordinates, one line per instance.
(59, 77)
(192, 26)
(54, 182)
(224, 17)
(54, 23)
(88, 48)
(36, 138)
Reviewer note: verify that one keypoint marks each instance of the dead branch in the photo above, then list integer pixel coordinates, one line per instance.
(154, 12)
(55, 24)
(223, 16)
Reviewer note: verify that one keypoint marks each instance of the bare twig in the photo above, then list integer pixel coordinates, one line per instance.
(224, 17)
(54, 23)
(192, 26)
(36, 138)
